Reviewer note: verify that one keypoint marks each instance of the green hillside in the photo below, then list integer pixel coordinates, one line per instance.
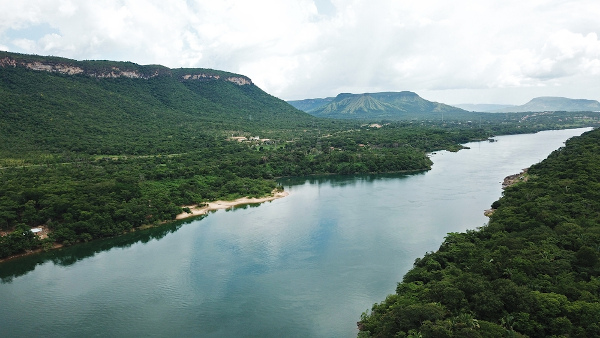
(124, 108)
(379, 106)
(533, 271)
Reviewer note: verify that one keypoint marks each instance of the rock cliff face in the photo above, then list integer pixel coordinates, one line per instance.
(115, 72)
(58, 68)
(70, 69)
(79, 67)
(238, 80)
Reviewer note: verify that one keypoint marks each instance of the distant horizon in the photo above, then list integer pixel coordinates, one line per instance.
(451, 104)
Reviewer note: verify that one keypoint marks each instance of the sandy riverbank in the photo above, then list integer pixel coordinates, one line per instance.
(217, 205)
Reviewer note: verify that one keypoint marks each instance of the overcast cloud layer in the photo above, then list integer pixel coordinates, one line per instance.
(460, 51)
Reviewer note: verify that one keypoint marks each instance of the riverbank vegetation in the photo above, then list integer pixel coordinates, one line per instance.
(90, 157)
(534, 270)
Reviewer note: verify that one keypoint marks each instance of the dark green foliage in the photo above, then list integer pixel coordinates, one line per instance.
(534, 270)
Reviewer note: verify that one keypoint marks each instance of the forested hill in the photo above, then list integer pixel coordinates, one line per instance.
(378, 106)
(534, 270)
(106, 107)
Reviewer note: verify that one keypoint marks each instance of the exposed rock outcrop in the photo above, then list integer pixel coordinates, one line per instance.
(238, 80)
(508, 181)
(512, 179)
(130, 70)
(57, 68)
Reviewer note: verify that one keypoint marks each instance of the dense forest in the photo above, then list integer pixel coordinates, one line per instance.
(534, 270)
(92, 149)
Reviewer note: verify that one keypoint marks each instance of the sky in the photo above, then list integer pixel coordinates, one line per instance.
(459, 51)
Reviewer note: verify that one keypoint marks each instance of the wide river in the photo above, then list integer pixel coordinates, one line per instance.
(306, 265)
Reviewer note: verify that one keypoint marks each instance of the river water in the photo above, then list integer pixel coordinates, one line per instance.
(306, 265)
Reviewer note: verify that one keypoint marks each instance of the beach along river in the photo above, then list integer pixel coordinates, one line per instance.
(306, 265)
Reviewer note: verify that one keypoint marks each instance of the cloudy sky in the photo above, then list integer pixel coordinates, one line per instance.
(460, 51)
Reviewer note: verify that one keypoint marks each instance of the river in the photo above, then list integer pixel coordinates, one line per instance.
(306, 265)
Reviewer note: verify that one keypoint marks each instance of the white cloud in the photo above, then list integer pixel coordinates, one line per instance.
(459, 51)
(25, 44)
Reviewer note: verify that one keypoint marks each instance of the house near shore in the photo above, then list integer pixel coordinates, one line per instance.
(251, 139)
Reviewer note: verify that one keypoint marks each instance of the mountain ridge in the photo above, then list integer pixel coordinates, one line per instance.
(114, 69)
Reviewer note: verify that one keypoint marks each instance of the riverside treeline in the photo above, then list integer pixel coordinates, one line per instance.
(534, 270)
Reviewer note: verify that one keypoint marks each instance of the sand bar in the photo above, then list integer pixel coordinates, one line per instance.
(217, 205)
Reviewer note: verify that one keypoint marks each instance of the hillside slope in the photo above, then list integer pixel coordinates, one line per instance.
(378, 106)
(105, 107)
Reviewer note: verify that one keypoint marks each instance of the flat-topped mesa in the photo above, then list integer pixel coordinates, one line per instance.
(105, 69)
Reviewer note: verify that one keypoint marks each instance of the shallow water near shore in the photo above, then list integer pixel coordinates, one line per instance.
(305, 265)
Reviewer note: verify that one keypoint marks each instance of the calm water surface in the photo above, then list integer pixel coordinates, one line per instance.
(303, 266)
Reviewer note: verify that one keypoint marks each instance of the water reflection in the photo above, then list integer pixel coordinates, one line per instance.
(347, 180)
(70, 255)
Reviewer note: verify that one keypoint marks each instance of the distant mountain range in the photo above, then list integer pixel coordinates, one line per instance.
(375, 106)
(538, 104)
